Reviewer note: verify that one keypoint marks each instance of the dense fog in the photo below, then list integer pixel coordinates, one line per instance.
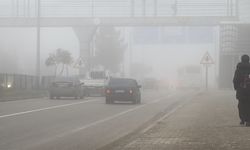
(161, 46)
(124, 74)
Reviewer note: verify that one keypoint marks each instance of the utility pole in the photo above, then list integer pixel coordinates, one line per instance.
(144, 8)
(206, 65)
(174, 8)
(132, 9)
(38, 73)
(130, 47)
(155, 7)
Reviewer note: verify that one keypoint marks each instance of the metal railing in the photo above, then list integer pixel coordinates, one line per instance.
(118, 8)
(19, 81)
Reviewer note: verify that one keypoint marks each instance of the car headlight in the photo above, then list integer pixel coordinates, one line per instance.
(130, 91)
(9, 85)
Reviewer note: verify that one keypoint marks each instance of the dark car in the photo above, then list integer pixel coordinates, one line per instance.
(66, 87)
(122, 89)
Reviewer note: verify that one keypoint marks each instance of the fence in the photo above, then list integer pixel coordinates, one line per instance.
(19, 81)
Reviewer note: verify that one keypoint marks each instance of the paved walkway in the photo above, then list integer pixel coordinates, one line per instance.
(208, 122)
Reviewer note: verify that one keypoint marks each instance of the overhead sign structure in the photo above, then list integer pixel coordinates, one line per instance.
(79, 63)
(206, 61)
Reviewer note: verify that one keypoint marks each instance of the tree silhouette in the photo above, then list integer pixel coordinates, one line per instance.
(109, 49)
(61, 58)
(51, 61)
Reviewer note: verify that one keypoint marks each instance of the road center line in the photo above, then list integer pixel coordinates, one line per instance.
(47, 108)
(111, 117)
(167, 114)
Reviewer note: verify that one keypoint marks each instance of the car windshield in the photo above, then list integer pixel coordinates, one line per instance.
(122, 82)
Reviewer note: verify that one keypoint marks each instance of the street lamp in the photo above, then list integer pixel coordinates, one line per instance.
(38, 73)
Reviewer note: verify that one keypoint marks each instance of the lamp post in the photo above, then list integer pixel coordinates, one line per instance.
(38, 73)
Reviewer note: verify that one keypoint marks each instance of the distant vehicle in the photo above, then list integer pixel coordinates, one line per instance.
(94, 83)
(122, 89)
(66, 87)
(190, 77)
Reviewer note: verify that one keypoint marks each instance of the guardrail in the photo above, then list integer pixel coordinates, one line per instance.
(20, 81)
(118, 8)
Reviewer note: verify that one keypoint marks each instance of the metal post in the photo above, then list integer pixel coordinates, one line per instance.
(17, 8)
(92, 8)
(206, 76)
(38, 44)
(144, 8)
(6, 80)
(28, 10)
(25, 82)
(237, 8)
(13, 8)
(227, 7)
(155, 7)
(231, 5)
(174, 7)
(132, 5)
(24, 8)
(130, 42)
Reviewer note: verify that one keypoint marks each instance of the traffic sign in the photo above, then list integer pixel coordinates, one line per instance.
(207, 59)
(79, 63)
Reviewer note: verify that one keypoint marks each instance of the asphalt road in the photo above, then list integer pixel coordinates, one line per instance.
(68, 124)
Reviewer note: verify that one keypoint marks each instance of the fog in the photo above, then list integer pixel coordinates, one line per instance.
(124, 74)
(163, 45)
(166, 60)
(163, 58)
(18, 48)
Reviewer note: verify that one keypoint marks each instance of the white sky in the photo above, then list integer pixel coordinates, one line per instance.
(20, 44)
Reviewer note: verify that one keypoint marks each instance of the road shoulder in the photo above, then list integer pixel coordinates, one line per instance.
(208, 121)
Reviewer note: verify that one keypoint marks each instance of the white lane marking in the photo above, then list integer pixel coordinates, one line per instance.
(162, 118)
(111, 117)
(170, 113)
(47, 108)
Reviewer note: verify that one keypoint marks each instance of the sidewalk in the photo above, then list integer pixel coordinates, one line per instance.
(208, 122)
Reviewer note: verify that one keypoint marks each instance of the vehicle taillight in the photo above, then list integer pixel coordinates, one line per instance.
(108, 91)
(130, 91)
